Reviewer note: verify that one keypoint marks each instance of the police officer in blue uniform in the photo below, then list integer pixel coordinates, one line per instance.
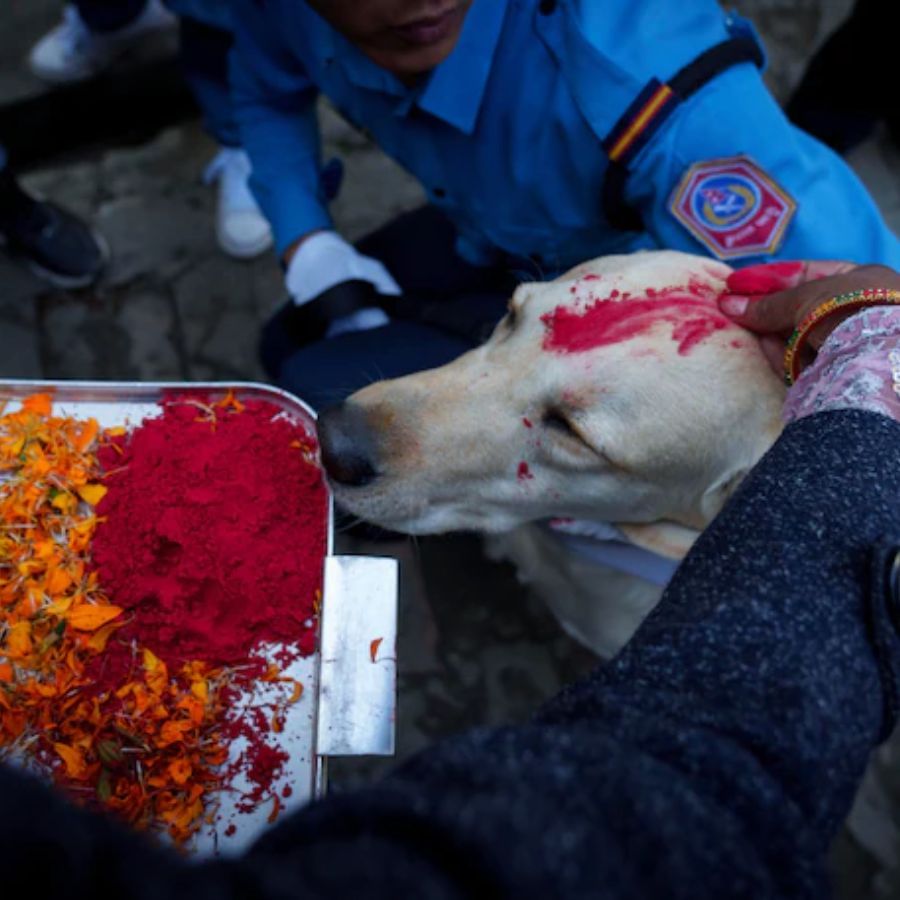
(545, 133)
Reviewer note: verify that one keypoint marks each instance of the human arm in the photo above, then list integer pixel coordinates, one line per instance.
(274, 103)
(851, 356)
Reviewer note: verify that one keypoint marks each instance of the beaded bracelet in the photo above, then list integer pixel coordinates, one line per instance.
(853, 300)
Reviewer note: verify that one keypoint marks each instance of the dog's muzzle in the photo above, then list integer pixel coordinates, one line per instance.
(347, 446)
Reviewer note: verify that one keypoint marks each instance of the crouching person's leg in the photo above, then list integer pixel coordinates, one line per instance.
(328, 371)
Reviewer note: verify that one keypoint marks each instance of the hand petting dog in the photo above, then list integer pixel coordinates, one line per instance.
(838, 322)
(774, 298)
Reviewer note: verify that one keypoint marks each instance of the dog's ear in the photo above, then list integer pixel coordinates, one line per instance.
(665, 538)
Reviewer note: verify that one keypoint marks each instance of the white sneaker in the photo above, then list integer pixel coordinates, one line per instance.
(241, 227)
(72, 52)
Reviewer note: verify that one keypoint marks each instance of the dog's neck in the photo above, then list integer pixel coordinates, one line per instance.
(674, 534)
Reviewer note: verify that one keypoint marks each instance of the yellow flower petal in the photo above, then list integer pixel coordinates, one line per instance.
(92, 493)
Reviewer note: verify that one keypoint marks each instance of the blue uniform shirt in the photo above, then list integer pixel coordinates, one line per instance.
(505, 135)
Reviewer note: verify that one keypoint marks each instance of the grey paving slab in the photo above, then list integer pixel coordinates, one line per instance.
(18, 289)
(147, 320)
(83, 339)
(19, 356)
(154, 235)
(77, 187)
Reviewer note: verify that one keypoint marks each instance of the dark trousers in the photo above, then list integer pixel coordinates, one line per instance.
(14, 202)
(204, 59)
(448, 307)
(109, 15)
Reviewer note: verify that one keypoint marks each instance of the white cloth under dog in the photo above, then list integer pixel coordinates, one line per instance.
(603, 543)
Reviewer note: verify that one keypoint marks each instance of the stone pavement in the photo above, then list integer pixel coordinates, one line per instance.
(474, 649)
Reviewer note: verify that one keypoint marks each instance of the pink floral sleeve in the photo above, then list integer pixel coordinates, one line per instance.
(858, 367)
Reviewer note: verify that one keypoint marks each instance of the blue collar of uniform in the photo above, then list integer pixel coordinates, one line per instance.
(454, 90)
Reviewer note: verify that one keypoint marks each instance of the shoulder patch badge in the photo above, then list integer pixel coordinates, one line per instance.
(733, 207)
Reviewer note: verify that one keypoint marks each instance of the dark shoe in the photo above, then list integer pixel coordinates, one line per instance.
(54, 244)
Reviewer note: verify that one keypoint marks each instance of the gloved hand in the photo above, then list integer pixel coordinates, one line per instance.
(335, 287)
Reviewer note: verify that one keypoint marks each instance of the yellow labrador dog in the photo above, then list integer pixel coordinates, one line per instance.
(600, 428)
(615, 404)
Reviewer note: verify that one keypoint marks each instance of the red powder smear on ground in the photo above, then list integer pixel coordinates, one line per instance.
(764, 279)
(690, 310)
(523, 473)
(214, 533)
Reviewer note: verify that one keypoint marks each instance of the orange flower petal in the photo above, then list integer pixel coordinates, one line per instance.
(18, 640)
(39, 404)
(76, 765)
(90, 617)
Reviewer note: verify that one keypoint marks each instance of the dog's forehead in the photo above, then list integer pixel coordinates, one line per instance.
(630, 277)
(625, 300)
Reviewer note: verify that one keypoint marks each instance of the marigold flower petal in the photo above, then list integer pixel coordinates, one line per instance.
(90, 617)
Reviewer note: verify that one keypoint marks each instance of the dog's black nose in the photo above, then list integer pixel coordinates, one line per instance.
(345, 440)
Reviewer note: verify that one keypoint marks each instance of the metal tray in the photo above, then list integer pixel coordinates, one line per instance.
(348, 704)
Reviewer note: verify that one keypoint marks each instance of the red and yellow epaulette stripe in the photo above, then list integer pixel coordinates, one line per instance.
(643, 114)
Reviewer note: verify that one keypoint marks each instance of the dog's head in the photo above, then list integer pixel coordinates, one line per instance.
(618, 392)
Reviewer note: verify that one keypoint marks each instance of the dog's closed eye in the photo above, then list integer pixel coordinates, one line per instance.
(556, 420)
(570, 435)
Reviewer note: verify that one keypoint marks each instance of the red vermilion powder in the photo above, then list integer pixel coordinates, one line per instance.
(691, 310)
(765, 278)
(214, 532)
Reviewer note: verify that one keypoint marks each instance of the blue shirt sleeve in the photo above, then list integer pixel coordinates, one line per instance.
(275, 107)
(734, 115)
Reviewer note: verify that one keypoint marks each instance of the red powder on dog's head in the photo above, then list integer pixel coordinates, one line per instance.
(527, 422)
(523, 473)
(608, 320)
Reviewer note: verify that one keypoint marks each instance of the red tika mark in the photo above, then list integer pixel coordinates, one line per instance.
(590, 277)
(527, 422)
(523, 473)
(690, 310)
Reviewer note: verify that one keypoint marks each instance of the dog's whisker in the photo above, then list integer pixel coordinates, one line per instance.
(377, 375)
(349, 524)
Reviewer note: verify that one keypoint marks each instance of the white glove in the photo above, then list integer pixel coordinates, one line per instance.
(324, 260)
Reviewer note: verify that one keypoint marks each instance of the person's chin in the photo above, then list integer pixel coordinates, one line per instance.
(420, 47)
(409, 62)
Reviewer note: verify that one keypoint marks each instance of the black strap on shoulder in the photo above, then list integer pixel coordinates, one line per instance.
(656, 102)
